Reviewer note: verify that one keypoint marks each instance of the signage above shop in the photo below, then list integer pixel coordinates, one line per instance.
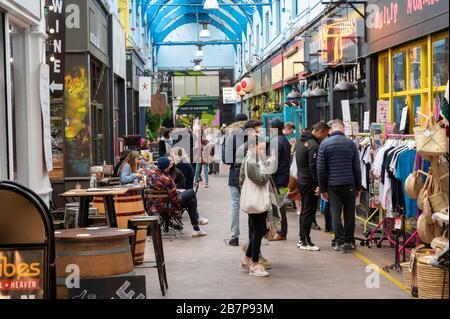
(230, 96)
(339, 41)
(56, 28)
(393, 22)
(145, 91)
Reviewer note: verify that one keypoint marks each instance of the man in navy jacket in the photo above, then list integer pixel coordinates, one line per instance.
(339, 176)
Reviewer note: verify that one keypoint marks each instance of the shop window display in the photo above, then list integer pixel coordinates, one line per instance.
(440, 62)
(399, 104)
(399, 71)
(414, 67)
(408, 69)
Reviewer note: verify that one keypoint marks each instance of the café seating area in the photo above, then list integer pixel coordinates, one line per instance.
(89, 212)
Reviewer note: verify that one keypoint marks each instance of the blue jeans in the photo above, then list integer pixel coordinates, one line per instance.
(198, 167)
(235, 208)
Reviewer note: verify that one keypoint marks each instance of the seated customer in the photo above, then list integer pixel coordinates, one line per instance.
(123, 156)
(182, 162)
(129, 170)
(180, 182)
(160, 180)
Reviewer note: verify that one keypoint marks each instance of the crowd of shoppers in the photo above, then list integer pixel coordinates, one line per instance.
(267, 170)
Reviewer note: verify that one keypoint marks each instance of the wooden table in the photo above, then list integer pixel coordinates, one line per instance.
(86, 196)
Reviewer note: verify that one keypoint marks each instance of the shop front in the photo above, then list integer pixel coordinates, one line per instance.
(293, 72)
(411, 54)
(22, 80)
(132, 115)
(337, 86)
(87, 135)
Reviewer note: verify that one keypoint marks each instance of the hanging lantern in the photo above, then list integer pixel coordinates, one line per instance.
(238, 88)
(248, 84)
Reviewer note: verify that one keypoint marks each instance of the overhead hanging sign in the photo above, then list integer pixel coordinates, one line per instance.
(145, 91)
(230, 96)
(57, 46)
(339, 41)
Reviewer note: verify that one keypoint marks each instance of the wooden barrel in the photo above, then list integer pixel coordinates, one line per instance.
(98, 252)
(127, 206)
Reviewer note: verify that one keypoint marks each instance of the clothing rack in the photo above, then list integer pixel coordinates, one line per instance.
(398, 136)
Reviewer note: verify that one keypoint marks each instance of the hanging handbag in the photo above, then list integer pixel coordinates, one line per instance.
(426, 227)
(443, 171)
(422, 197)
(413, 183)
(438, 199)
(255, 199)
(431, 140)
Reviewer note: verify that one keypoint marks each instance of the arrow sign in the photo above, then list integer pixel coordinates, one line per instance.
(55, 87)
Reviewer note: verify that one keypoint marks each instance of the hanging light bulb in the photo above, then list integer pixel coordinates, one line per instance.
(211, 5)
(52, 58)
(199, 52)
(204, 33)
(51, 30)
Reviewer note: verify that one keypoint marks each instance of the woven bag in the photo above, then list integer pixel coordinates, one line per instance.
(431, 140)
(422, 196)
(432, 281)
(438, 199)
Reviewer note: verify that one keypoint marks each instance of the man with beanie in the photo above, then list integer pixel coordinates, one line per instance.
(306, 158)
(280, 146)
(233, 140)
(160, 180)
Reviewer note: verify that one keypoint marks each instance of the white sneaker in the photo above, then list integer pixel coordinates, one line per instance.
(202, 221)
(258, 271)
(199, 233)
(311, 247)
(245, 266)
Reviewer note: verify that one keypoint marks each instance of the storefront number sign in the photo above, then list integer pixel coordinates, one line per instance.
(21, 274)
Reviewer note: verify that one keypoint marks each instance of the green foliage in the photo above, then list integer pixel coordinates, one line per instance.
(154, 122)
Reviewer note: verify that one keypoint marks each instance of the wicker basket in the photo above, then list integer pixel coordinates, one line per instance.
(407, 275)
(416, 253)
(432, 281)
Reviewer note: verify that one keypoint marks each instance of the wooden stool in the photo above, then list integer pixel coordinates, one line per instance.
(140, 224)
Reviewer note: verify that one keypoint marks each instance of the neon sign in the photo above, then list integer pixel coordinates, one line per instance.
(336, 37)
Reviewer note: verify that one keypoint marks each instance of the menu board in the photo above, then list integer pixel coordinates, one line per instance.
(22, 274)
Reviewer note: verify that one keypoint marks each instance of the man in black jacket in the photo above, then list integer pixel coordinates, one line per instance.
(306, 157)
(281, 144)
(339, 174)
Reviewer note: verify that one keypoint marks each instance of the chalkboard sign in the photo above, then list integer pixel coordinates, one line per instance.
(127, 287)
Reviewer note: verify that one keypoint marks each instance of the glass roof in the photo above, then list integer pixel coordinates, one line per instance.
(232, 18)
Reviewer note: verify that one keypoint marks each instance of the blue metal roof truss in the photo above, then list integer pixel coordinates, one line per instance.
(164, 16)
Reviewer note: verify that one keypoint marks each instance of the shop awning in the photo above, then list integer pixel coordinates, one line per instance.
(198, 105)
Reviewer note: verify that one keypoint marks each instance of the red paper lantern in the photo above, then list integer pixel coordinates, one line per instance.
(248, 84)
(238, 88)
